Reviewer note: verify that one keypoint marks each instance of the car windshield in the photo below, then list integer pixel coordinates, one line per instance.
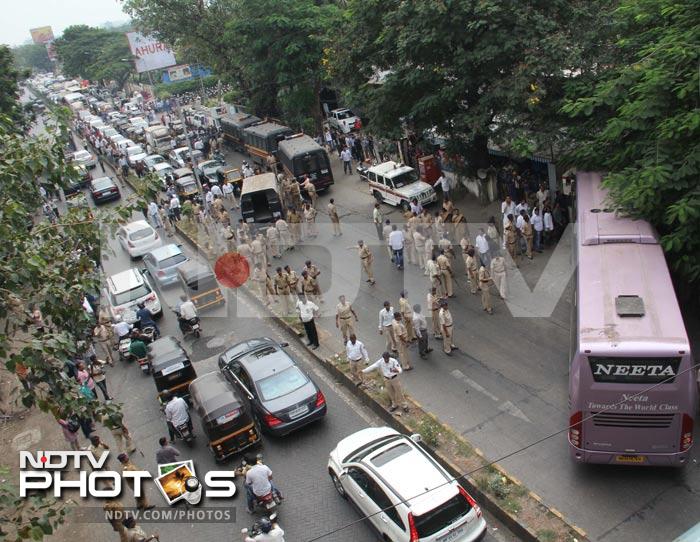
(404, 179)
(172, 260)
(101, 184)
(282, 383)
(128, 296)
(153, 160)
(131, 151)
(442, 517)
(345, 114)
(141, 234)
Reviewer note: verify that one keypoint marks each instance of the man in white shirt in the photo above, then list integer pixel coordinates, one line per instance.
(258, 483)
(507, 208)
(307, 310)
(346, 157)
(444, 183)
(377, 218)
(216, 190)
(483, 245)
(153, 215)
(355, 351)
(522, 206)
(538, 226)
(548, 225)
(396, 241)
(390, 369)
(386, 318)
(176, 413)
(247, 170)
(420, 328)
(208, 201)
(175, 207)
(186, 309)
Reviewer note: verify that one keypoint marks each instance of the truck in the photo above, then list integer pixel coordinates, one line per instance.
(158, 137)
(260, 199)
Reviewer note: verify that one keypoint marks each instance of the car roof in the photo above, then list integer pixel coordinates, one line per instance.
(265, 181)
(125, 280)
(137, 225)
(352, 444)
(162, 165)
(154, 156)
(341, 109)
(81, 152)
(166, 251)
(390, 169)
(267, 365)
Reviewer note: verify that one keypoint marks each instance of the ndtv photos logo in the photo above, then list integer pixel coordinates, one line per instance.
(55, 470)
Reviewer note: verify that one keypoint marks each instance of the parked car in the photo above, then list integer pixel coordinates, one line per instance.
(85, 158)
(178, 157)
(405, 493)
(83, 180)
(103, 190)
(135, 154)
(282, 396)
(342, 120)
(153, 160)
(162, 263)
(138, 238)
(396, 184)
(163, 170)
(209, 170)
(125, 290)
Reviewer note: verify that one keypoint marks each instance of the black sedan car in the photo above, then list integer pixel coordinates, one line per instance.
(103, 190)
(282, 396)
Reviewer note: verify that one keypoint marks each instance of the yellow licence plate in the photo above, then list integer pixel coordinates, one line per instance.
(630, 459)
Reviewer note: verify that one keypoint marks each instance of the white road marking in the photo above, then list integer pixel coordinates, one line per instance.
(511, 409)
(507, 406)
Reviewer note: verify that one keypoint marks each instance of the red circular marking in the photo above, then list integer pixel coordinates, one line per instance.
(232, 270)
(44, 459)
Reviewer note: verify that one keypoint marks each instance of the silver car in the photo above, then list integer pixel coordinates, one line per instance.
(162, 263)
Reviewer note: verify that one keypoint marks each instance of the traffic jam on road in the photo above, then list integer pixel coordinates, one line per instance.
(226, 169)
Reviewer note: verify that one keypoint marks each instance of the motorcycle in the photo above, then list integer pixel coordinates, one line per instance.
(266, 503)
(191, 326)
(147, 335)
(184, 433)
(256, 529)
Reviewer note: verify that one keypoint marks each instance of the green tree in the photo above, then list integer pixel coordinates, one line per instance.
(9, 105)
(477, 70)
(32, 56)
(641, 123)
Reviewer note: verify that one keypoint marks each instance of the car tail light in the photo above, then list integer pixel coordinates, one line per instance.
(576, 429)
(413, 532)
(271, 421)
(320, 399)
(686, 433)
(470, 500)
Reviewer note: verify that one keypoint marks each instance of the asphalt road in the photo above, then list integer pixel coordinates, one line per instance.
(311, 506)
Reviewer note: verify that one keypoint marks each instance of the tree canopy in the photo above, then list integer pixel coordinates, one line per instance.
(32, 56)
(9, 106)
(95, 54)
(641, 123)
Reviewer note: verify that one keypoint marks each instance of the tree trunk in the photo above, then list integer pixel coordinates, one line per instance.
(477, 153)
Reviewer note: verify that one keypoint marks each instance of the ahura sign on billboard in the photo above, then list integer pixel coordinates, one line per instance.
(149, 53)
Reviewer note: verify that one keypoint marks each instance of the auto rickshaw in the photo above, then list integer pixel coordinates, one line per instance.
(233, 176)
(171, 367)
(186, 187)
(200, 285)
(226, 419)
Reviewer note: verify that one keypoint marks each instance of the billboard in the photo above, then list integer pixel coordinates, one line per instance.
(179, 73)
(42, 34)
(149, 53)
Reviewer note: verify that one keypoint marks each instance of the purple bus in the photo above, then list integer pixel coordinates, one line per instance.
(632, 392)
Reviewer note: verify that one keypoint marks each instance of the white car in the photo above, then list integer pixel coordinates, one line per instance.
(163, 170)
(343, 120)
(138, 238)
(152, 160)
(135, 154)
(124, 144)
(85, 158)
(396, 184)
(405, 494)
(125, 290)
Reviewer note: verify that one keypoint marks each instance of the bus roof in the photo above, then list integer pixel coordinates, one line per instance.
(600, 224)
(240, 120)
(610, 271)
(256, 183)
(264, 129)
(299, 144)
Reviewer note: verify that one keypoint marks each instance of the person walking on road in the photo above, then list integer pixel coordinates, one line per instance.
(528, 234)
(445, 268)
(386, 317)
(472, 271)
(377, 220)
(335, 219)
(420, 328)
(154, 215)
(485, 287)
(434, 305)
(345, 318)
(402, 339)
(407, 313)
(390, 369)
(366, 258)
(346, 157)
(446, 324)
(281, 285)
(167, 453)
(356, 352)
(310, 222)
(396, 242)
(386, 232)
(498, 274)
(307, 311)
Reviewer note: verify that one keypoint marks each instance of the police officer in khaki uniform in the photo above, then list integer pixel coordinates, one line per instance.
(472, 270)
(445, 273)
(447, 326)
(485, 285)
(314, 272)
(419, 245)
(295, 193)
(434, 307)
(294, 221)
(433, 271)
(281, 285)
(258, 249)
(407, 315)
(293, 280)
(511, 239)
(309, 286)
(402, 340)
(285, 241)
(366, 258)
(259, 279)
(335, 219)
(345, 318)
(310, 190)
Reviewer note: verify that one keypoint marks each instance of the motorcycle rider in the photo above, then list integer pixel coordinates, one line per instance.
(186, 311)
(145, 319)
(176, 413)
(121, 328)
(270, 532)
(137, 348)
(258, 483)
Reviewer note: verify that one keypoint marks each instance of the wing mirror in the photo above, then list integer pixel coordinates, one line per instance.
(415, 437)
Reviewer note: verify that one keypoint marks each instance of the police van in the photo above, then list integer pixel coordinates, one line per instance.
(396, 184)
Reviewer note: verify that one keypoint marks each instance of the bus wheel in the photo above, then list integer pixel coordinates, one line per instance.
(378, 197)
